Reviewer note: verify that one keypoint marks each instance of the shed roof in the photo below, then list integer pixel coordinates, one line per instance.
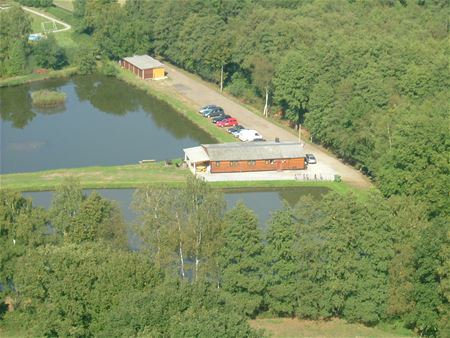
(254, 151)
(196, 154)
(144, 61)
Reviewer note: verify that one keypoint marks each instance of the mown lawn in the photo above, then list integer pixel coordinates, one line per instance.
(138, 175)
(124, 176)
(36, 23)
(336, 328)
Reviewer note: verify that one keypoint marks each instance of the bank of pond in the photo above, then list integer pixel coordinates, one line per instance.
(262, 201)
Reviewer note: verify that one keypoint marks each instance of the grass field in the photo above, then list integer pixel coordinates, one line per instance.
(335, 328)
(65, 4)
(36, 23)
(138, 175)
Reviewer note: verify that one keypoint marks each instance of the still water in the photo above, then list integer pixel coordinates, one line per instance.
(104, 122)
(262, 201)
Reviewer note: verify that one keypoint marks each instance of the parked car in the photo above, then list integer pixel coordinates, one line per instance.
(237, 132)
(248, 135)
(227, 122)
(216, 112)
(210, 111)
(235, 128)
(310, 159)
(220, 118)
(209, 106)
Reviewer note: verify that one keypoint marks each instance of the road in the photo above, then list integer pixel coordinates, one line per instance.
(196, 91)
(66, 26)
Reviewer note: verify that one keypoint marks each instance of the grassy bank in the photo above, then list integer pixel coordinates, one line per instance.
(138, 175)
(296, 328)
(176, 103)
(18, 80)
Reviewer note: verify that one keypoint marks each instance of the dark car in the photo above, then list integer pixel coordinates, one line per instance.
(310, 159)
(213, 112)
(207, 107)
(235, 129)
(220, 118)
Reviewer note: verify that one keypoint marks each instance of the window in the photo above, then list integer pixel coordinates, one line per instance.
(267, 161)
(233, 163)
(217, 164)
(251, 162)
(272, 161)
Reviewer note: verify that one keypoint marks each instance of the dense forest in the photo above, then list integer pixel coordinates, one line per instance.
(200, 271)
(368, 79)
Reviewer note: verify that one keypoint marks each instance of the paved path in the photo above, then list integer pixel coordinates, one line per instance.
(66, 26)
(196, 91)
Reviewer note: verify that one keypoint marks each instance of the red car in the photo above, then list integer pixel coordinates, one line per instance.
(229, 122)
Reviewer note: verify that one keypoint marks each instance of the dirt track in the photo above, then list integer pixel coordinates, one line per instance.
(196, 91)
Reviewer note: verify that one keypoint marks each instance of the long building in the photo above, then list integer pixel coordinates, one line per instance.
(144, 66)
(245, 157)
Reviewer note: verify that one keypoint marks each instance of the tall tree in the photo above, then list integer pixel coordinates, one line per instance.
(241, 261)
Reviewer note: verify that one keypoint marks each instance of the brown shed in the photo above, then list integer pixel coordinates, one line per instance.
(246, 157)
(144, 66)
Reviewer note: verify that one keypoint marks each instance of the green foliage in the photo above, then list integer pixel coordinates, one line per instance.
(36, 3)
(241, 261)
(282, 264)
(22, 227)
(63, 291)
(48, 54)
(15, 26)
(86, 60)
(426, 295)
(78, 218)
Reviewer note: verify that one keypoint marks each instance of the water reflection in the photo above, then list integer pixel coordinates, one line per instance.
(262, 201)
(104, 122)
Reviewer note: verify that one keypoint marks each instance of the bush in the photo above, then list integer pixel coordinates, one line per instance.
(48, 54)
(108, 69)
(48, 99)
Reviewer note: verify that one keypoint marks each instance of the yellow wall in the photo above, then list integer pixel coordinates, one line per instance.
(158, 72)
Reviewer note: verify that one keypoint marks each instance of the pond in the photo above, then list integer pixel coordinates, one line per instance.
(104, 122)
(262, 201)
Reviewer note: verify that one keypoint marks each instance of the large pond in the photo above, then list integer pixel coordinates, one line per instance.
(103, 122)
(262, 201)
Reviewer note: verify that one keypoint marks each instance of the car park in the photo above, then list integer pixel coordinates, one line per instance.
(248, 135)
(207, 107)
(220, 118)
(310, 159)
(227, 122)
(218, 111)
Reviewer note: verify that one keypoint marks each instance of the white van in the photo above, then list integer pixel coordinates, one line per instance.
(248, 135)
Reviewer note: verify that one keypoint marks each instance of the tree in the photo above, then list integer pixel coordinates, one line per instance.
(262, 74)
(426, 295)
(241, 261)
(15, 26)
(15, 65)
(293, 82)
(48, 54)
(86, 60)
(65, 291)
(282, 263)
(22, 227)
